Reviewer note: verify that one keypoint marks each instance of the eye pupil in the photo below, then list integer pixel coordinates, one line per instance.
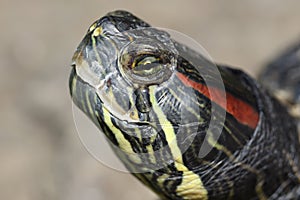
(147, 65)
(147, 69)
(147, 60)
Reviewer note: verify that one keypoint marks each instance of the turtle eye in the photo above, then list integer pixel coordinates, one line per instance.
(147, 65)
(147, 68)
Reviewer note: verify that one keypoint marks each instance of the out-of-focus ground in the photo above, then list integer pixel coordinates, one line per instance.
(41, 156)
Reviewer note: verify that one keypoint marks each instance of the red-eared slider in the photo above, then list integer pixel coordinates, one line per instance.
(178, 128)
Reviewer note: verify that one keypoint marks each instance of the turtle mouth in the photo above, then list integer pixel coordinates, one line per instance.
(81, 93)
(80, 90)
(90, 98)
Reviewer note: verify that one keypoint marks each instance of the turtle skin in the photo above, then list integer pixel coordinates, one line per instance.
(255, 157)
(282, 78)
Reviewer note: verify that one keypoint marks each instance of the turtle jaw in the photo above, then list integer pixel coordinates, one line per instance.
(76, 88)
(84, 96)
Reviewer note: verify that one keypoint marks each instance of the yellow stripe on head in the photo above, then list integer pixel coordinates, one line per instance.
(191, 186)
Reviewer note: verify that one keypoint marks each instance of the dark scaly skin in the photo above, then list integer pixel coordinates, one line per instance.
(282, 78)
(257, 154)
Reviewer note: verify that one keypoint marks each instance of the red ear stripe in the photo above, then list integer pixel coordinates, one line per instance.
(241, 110)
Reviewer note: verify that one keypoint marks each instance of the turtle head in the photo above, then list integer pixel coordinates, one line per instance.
(119, 58)
(117, 74)
(159, 102)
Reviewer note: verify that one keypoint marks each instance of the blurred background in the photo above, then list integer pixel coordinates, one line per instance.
(41, 156)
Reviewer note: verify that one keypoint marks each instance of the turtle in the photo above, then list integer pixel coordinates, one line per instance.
(186, 127)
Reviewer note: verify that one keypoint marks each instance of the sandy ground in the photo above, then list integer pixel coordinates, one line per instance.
(41, 155)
